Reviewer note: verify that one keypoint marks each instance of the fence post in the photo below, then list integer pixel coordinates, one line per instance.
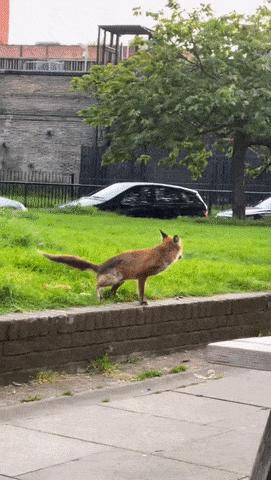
(210, 202)
(72, 189)
(25, 193)
(262, 466)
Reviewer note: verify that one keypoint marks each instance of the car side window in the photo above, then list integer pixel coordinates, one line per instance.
(146, 195)
(189, 197)
(138, 196)
(131, 197)
(167, 195)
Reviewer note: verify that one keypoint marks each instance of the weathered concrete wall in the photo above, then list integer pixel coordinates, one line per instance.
(39, 125)
(60, 339)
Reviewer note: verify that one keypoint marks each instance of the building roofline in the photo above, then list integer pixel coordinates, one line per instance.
(127, 29)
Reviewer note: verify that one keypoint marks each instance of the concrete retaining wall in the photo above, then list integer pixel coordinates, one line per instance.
(56, 339)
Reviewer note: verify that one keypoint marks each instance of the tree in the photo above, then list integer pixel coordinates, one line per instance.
(201, 81)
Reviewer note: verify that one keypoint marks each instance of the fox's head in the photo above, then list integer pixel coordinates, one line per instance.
(174, 243)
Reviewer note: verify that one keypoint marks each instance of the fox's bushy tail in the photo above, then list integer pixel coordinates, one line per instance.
(75, 262)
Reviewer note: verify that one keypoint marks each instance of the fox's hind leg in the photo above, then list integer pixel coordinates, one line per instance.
(115, 288)
(99, 288)
(111, 279)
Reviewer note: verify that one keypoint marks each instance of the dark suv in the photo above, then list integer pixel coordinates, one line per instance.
(146, 200)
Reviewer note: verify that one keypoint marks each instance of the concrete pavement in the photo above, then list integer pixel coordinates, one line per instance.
(244, 352)
(177, 427)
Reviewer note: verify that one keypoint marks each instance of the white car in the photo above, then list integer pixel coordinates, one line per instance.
(261, 210)
(8, 203)
(145, 199)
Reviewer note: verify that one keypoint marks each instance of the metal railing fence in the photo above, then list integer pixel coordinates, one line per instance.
(43, 195)
(51, 194)
(34, 65)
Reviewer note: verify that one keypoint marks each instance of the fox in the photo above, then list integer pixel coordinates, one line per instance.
(131, 265)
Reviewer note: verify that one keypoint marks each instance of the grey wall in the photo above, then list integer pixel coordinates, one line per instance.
(71, 338)
(31, 105)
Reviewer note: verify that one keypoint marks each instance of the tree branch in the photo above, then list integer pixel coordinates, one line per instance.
(200, 64)
(260, 140)
(217, 128)
(258, 171)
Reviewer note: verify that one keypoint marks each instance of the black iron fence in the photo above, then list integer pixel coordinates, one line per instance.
(221, 199)
(43, 195)
(50, 194)
(35, 176)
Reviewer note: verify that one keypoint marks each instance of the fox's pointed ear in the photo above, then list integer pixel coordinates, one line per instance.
(164, 235)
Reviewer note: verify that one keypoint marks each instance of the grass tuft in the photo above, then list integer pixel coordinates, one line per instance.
(179, 368)
(67, 393)
(148, 374)
(6, 292)
(103, 365)
(76, 210)
(45, 376)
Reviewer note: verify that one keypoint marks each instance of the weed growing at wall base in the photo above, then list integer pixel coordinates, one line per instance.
(218, 258)
(103, 365)
(148, 374)
(45, 376)
(179, 369)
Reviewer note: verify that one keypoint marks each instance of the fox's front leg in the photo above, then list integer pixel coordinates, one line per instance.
(141, 288)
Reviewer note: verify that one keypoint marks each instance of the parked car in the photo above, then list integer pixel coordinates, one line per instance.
(261, 210)
(145, 200)
(8, 203)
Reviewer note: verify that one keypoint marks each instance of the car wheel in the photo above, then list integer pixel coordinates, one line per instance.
(257, 217)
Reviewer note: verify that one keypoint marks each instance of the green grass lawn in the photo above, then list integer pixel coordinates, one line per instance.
(218, 257)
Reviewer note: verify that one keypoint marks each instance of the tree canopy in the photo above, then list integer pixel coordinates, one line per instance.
(199, 81)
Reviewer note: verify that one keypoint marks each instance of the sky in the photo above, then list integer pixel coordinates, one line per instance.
(75, 21)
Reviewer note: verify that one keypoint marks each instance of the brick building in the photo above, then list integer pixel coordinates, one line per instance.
(4, 21)
(45, 51)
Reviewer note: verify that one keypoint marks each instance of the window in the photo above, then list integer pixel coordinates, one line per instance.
(171, 196)
(138, 196)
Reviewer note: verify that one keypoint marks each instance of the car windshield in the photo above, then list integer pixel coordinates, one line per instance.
(264, 204)
(109, 192)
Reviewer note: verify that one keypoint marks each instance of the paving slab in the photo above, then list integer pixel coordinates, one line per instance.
(251, 387)
(209, 431)
(121, 465)
(134, 431)
(242, 424)
(198, 410)
(24, 450)
(6, 478)
(233, 451)
(245, 352)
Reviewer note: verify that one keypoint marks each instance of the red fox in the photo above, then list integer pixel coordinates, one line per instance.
(135, 264)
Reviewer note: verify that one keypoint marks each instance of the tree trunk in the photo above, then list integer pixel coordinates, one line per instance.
(238, 176)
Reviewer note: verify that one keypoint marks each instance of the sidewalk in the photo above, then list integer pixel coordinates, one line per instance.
(176, 427)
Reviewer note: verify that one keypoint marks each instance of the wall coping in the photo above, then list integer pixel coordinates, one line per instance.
(122, 307)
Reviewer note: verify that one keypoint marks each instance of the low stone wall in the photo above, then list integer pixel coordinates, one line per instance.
(64, 339)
